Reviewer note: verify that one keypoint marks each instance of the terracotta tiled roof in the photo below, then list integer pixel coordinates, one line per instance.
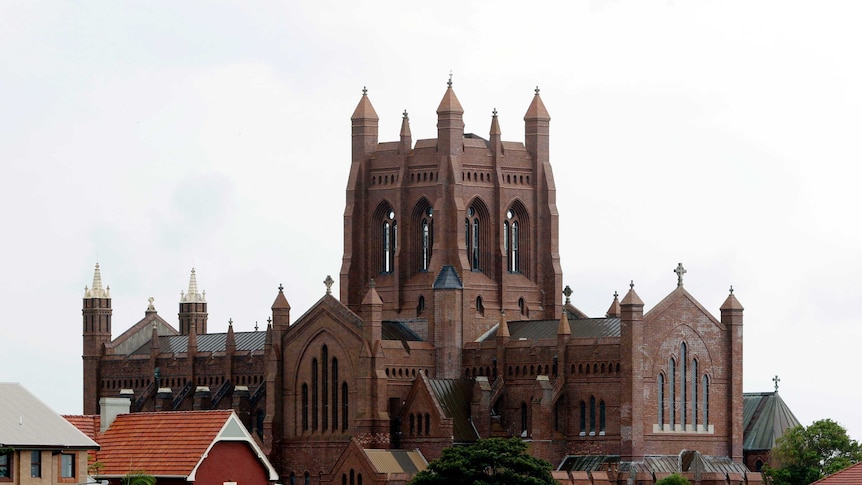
(88, 424)
(851, 475)
(164, 444)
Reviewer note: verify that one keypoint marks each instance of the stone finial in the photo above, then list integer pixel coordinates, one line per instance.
(97, 291)
(568, 292)
(731, 289)
(193, 296)
(449, 83)
(679, 272)
(255, 325)
(404, 116)
(328, 282)
(537, 90)
(364, 91)
(150, 306)
(776, 380)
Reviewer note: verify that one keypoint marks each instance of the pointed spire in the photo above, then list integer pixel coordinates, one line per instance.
(631, 297)
(450, 103)
(564, 328)
(364, 110)
(405, 126)
(614, 310)
(731, 303)
(503, 329)
(193, 296)
(537, 110)
(97, 291)
(231, 338)
(280, 302)
(495, 125)
(372, 298)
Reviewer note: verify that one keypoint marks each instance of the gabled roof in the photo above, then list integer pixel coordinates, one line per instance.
(25, 421)
(852, 475)
(547, 329)
(210, 342)
(672, 299)
(454, 397)
(765, 417)
(169, 444)
(396, 461)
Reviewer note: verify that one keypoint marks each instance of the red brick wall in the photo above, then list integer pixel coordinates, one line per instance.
(229, 461)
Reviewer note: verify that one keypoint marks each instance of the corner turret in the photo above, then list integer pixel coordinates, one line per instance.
(193, 308)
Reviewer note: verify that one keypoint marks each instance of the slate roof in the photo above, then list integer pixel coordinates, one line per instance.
(448, 279)
(455, 396)
(27, 422)
(687, 461)
(210, 342)
(765, 417)
(394, 330)
(547, 329)
(851, 475)
(397, 461)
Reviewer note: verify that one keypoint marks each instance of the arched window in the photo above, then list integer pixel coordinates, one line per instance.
(427, 424)
(305, 407)
(705, 399)
(694, 402)
(292, 478)
(480, 307)
(476, 236)
(602, 417)
(522, 306)
(583, 418)
(412, 424)
(383, 238)
(420, 307)
(334, 394)
(523, 418)
(661, 401)
(515, 242)
(344, 408)
(343, 479)
(324, 359)
(592, 415)
(671, 405)
(683, 403)
(307, 478)
(314, 388)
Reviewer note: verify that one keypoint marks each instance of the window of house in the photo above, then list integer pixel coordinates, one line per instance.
(6, 465)
(67, 466)
(36, 463)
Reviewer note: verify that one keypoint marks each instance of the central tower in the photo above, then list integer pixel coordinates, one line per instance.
(454, 229)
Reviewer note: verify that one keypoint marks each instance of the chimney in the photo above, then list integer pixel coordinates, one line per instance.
(111, 408)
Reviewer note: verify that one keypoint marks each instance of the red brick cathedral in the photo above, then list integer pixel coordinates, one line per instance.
(451, 326)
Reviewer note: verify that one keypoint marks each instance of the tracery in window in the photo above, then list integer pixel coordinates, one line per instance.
(694, 402)
(515, 240)
(671, 394)
(334, 394)
(314, 395)
(324, 359)
(682, 387)
(384, 238)
(661, 401)
(476, 236)
(705, 401)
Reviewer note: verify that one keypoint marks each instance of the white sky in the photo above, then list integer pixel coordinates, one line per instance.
(157, 136)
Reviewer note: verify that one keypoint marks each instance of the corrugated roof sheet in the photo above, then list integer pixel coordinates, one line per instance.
(454, 396)
(25, 421)
(851, 475)
(396, 461)
(210, 342)
(393, 330)
(165, 444)
(687, 461)
(765, 417)
(545, 329)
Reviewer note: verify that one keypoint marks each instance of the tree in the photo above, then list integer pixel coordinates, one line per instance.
(488, 461)
(138, 478)
(804, 455)
(675, 479)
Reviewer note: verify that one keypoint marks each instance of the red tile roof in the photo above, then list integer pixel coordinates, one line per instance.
(851, 475)
(88, 424)
(163, 444)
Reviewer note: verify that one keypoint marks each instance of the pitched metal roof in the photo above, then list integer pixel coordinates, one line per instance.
(687, 461)
(210, 342)
(396, 461)
(454, 396)
(395, 330)
(765, 417)
(547, 329)
(25, 421)
(448, 279)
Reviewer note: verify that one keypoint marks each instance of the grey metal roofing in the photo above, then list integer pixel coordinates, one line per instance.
(543, 329)
(27, 422)
(210, 342)
(396, 461)
(394, 330)
(448, 279)
(454, 396)
(765, 417)
(687, 461)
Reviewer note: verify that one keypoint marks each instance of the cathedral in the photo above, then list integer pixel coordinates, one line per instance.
(452, 324)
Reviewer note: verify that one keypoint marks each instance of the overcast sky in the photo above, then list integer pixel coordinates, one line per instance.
(157, 136)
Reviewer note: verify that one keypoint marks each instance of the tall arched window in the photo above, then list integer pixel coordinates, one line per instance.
(305, 407)
(694, 402)
(314, 395)
(427, 424)
(682, 387)
(661, 401)
(426, 239)
(602, 417)
(412, 424)
(384, 239)
(592, 415)
(583, 417)
(344, 408)
(705, 401)
(516, 238)
(524, 418)
(334, 394)
(671, 405)
(324, 359)
(474, 232)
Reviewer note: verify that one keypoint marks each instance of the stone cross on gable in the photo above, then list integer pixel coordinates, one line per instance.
(679, 272)
(328, 282)
(776, 380)
(568, 292)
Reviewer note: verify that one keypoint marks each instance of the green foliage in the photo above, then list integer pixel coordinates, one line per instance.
(675, 479)
(486, 462)
(138, 478)
(804, 455)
